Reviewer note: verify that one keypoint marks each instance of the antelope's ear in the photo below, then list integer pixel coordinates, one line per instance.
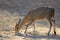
(19, 21)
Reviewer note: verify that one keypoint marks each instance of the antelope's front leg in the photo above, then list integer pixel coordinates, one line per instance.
(26, 29)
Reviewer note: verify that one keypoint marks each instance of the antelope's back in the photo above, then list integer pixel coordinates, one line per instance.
(41, 12)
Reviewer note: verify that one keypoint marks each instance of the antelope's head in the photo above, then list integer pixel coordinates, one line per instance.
(17, 26)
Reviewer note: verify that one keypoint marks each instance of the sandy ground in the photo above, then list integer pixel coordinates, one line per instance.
(40, 34)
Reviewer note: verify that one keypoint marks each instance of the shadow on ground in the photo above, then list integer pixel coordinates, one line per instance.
(39, 37)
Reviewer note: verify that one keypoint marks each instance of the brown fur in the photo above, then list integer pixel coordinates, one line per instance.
(36, 14)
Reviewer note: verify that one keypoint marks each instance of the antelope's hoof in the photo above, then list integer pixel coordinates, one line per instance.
(54, 33)
(25, 34)
(48, 34)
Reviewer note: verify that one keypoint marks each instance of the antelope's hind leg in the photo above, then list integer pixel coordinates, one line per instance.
(53, 20)
(49, 20)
